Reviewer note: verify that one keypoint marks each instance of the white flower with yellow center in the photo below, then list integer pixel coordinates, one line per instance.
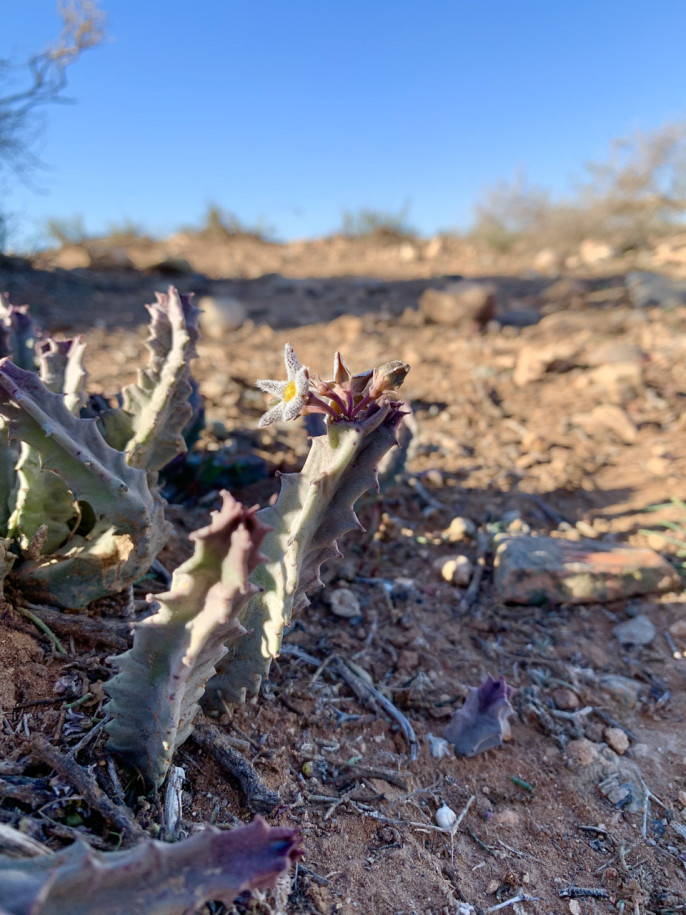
(292, 394)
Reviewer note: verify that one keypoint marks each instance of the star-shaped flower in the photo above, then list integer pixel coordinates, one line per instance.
(292, 394)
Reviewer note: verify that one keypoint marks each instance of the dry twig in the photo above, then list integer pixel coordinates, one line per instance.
(366, 692)
(362, 689)
(521, 897)
(85, 785)
(260, 799)
(472, 592)
(114, 635)
(16, 842)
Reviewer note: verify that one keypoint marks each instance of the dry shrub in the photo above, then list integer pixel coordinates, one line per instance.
(638, 194)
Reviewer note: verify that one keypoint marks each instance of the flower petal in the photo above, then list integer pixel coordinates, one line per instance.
(292, 362)
(271, 416)
(302, 381)
(278, 388)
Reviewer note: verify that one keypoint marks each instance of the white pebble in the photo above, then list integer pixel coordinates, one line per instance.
(446, 817)
(438, 746)
(344, 603)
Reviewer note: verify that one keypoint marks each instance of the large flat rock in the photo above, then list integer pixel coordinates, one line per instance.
(537, 570)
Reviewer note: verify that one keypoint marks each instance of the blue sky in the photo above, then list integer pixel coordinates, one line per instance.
(292, 110)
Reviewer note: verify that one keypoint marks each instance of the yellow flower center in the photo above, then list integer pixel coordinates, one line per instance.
(289, 392)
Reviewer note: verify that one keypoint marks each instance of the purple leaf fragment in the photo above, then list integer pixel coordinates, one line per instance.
(481, 724)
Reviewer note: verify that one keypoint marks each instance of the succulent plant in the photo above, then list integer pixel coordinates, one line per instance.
(221, 623)
(79, 498)
(155, 694)
(155, 878)
(315, 506)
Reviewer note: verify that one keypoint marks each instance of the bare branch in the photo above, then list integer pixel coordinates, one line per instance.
(82, 28)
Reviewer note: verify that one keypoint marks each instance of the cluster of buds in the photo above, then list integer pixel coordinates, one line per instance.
(345, 397)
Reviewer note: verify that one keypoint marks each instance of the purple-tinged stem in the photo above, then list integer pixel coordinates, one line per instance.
(363, 404)
(316, 405)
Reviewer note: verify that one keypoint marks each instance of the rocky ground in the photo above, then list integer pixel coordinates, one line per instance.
(545, 407)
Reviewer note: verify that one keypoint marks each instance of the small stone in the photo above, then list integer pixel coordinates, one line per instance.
(621, 381)
(659, 466)
(642, 751)
(462, 302)
(460, 529)
(592, 251)
(446, 817)
(655, 541)
(586, 529)
(617, 740)
(678, 630)
(506, 817)
(458, 571)
(681, 797)
(607, 418)
(574, 907)
(535, 360)
(438, 746)
(465, 908)
(344, 603)
(580, 752)
(408, 660)
(637, 631)
(220, 314)
(547, 262)
(407, 253)
(623, 690)
(619, 795)
(435, 477)
(565, 699)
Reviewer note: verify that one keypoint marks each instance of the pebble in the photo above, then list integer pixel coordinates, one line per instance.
(586, 529)
(581, 752)
(618, 795)
(506, 817)
(344, 603)
(604, 420)
(617, 740)
(678, 630)
(434, 477)
(659, 466)
(565, 699)
(623, 690)
(638, 631)
(681, 796)
(446, 817)
(438, 746)
(642, 751)
(460, 529)
(457, 571)
(220, 314)
(461, 303)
